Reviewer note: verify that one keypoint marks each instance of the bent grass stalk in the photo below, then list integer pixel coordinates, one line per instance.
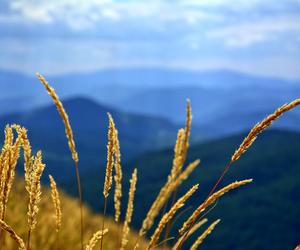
(71, 142)
(13, 234)
(247, 142)
(211, 199)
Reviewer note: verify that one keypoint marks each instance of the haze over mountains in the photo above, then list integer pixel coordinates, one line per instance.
(223, 102)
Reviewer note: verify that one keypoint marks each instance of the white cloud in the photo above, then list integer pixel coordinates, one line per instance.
(92, 12)
(252, 32)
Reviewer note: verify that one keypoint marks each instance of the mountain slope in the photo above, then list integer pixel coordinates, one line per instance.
(260, 214)
(44, 236)
(138, 133)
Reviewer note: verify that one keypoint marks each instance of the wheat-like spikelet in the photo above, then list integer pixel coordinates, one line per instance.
(56, 203)
(18, 143)
(189, 222)
(96, 237)
(35, 190)
(259, 127)
(297, 247)
(187, 129)
(193, 230)
(181, 145)
(13, 235)
(118, 178)
(4, 167)
(110, 157)
(200, 239)
(63, 114)
(14, 153)
(6, 146)
(169, 215)
(164, 195)
(129, 211)
(178, 157)
(9, 136)
(11, 155)
(28, 160)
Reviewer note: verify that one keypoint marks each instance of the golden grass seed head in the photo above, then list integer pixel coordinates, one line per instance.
(208, 231)
(260, 127)
(193, 230)
(13, 235)
(169, 215)
(56, 203)
(189, 222)
(35, 190)
(164, 195)
(63, 114)
(110, 157)
(126, 228)
(117, 178)
(95, 238)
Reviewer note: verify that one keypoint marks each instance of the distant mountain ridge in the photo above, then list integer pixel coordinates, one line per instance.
(223, 102)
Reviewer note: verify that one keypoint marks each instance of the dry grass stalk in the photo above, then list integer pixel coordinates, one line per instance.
(28, 160)
(13, 234)
(126, 228)
(180, 154)
(259, 127)
(200, 239)
(111, 149)
(71, 142)
(4, 167)
(181, 145)
(56, 203)
(169, 215)
(96, 237)
(178, 157)
(110, 157)
(63, 114)
(17, 145)
(34, 194)
(35, 190)
(190, 221)
(187, 129)
(9, 157)
(164, 195)
(117, 178)
(193, 230)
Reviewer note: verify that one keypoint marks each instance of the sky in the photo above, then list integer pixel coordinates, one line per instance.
(259, 37)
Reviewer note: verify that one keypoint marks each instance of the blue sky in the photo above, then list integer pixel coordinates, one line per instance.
(259, 37)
